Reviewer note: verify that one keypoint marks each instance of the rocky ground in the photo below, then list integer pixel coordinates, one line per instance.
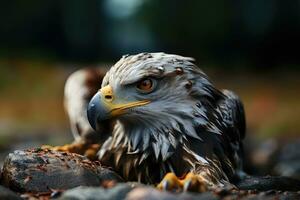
(44, 174)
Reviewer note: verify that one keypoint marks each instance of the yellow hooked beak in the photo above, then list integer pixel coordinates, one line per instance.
(102, 106)
(107, 98)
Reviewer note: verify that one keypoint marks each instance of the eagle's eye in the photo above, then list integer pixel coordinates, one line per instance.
(146, 85)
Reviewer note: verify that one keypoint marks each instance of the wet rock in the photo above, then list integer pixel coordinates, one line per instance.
(39, 170)
(288, 163)
(131, 191)
(267, 183)
(8, 194)
(260, 156)
(273, 196)
(99, 193)
(150, 193)
(43, 173)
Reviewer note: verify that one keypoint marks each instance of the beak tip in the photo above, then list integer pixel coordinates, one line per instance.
(96, 111)
(93, 111)
(91, 115)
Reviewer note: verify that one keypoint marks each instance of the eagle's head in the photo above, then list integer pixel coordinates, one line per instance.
(157, 99)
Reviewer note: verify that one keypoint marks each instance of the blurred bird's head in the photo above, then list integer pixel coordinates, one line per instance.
(154, 96)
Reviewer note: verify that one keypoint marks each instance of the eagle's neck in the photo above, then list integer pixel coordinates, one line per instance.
(158, 136)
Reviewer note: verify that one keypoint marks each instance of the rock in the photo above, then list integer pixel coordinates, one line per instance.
(99, 193)
(288, 163)
(150, 193)
(131, 191)
(8, 194)
(39, 170)
(260, 156)
(270, 196)
(44, 173)
(135, 191)
(269, 183)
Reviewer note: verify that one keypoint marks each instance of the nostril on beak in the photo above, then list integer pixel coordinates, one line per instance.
(108, 97)
(107, 93)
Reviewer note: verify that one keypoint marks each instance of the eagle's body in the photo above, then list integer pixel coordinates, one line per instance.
(184, 124)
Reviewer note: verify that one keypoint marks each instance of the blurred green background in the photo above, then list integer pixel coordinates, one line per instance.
(251, 47)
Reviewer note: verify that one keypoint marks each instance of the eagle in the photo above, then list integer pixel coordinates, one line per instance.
(156, 118)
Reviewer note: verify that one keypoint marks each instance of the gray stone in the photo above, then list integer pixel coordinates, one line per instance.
(150, 193)
(267, 183)
(99, 193)
(267, 196)
(130, 191)
(260, 156)
(8, 194)
(288, 163)
(40, 170)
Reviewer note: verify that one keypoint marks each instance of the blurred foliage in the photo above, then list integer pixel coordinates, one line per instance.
(31, 94)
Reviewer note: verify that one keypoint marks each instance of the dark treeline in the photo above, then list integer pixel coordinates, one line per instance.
(235, 33)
